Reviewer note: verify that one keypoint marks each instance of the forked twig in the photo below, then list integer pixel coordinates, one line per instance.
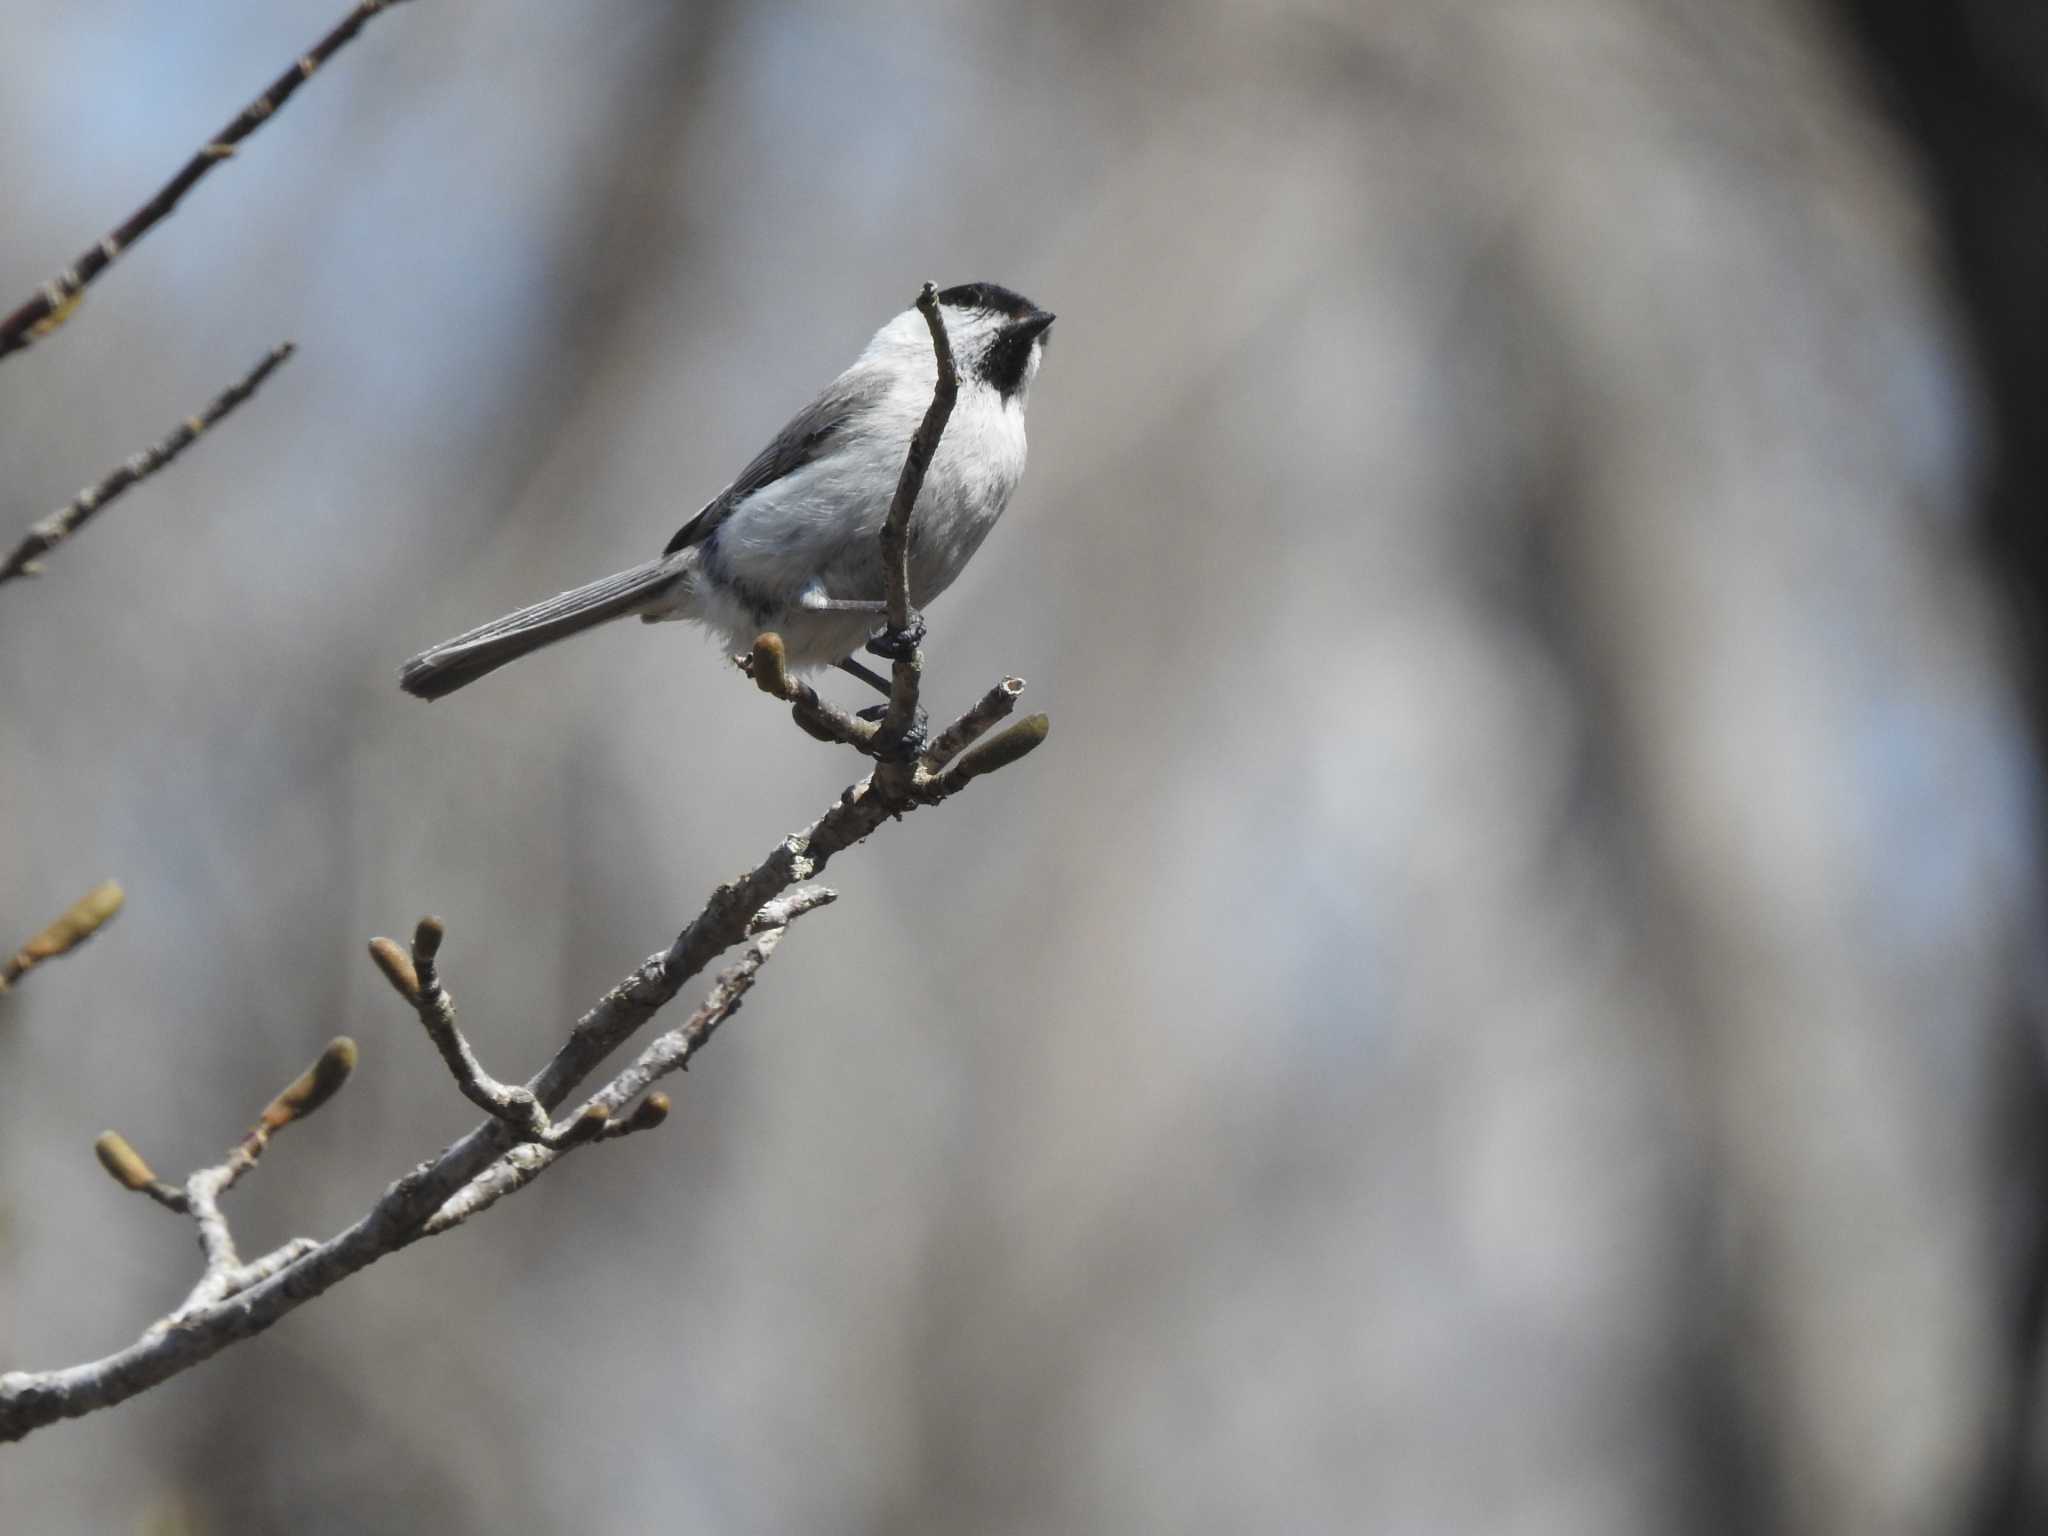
(225, 1274)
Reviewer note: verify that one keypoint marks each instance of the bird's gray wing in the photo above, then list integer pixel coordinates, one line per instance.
(809, 435)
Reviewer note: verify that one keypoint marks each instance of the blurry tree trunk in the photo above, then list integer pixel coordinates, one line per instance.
(1966, 86)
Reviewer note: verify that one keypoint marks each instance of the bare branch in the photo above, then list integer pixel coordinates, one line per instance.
(81, 920)
(54, 302)
(672, 1052)
(46, 535)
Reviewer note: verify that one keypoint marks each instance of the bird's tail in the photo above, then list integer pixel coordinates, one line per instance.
(454, 664)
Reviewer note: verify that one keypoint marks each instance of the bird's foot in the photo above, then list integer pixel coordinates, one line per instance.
(897, 644)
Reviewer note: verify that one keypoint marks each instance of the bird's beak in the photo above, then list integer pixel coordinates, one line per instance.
(1036, 323)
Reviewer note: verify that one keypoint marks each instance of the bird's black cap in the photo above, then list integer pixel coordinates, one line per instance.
(993, 297)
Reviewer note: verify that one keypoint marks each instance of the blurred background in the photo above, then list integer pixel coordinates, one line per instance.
(1510, 1001)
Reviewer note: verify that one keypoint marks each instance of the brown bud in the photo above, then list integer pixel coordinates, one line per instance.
(313, 1087)
(123, 1161)
(85, 917)
(771, 665)
(396, 965)
(427, 937)
(587, 1126)
(649, 1112)
(998, 751)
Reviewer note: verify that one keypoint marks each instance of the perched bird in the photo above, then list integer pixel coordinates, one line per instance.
(793, 544)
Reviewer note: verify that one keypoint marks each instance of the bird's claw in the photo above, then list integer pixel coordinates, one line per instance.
(897, 644)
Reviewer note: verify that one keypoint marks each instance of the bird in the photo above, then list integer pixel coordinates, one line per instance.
(793, 543)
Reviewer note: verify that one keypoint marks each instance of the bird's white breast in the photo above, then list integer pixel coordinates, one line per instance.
(819, 526)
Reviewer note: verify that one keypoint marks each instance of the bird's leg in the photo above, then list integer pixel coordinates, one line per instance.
(889, 644)
(880, 684)
(813, 600)
(868, 675)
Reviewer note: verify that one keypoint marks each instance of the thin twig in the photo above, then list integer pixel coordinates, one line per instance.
(987, 711)
(900, 720)
(199, 1196)
(81, 920)
(46, 535)
(923, 444)
(53, 303)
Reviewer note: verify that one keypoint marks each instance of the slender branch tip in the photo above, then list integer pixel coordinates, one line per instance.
(43, 311)
(43, 536)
